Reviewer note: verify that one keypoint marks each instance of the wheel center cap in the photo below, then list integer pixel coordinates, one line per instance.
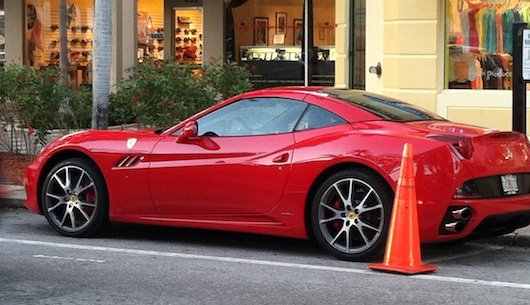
(73, 198)
(352, 215)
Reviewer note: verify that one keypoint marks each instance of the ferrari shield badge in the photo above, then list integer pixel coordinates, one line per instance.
(131, 142)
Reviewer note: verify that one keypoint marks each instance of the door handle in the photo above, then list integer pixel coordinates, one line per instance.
(281, 158)
(377, 70)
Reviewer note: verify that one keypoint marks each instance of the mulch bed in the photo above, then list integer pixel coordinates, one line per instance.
(12, 168)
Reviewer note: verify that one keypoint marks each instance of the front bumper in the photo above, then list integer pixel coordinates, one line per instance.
(31, 180)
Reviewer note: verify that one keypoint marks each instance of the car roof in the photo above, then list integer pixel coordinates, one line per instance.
(311, 90)
(292, 89)
(368, 106)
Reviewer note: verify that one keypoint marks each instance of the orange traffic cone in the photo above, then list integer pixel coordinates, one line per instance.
(402, 253)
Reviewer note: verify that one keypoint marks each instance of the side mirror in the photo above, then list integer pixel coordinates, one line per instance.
(190, 131)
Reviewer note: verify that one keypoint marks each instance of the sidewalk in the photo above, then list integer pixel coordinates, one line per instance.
(13, 196)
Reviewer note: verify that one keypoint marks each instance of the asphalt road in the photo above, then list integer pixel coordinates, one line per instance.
(135, 264)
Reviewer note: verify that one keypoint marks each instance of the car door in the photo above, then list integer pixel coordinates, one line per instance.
(237, 164)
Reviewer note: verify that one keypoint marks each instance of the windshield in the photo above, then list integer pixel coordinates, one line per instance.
(384, 107)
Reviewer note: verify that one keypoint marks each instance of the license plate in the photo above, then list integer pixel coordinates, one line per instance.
(509, 184)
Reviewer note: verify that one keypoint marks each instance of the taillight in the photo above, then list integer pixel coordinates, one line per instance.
(463, 145)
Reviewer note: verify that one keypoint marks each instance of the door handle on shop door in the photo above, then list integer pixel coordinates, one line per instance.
(377, 70)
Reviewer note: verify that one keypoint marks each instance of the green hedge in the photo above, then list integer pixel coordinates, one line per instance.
(157, 94)
(163, 93)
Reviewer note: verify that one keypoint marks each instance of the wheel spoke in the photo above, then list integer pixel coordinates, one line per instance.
(365, 210)
(345, 200)
(68, 178)
(72, 219)
(78, 184)
(60, 198)
(56, 206)
(364, 224)
(83, 213)
(61, 184)
(85, 188)
(335, 217)
(337, 236)
(64, 218)
(347, 231)
(361, 204)
(359, 228)
(330, 208)
(86, 204)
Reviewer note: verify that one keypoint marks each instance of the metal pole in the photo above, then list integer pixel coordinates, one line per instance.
(306, 42)
(518, 84)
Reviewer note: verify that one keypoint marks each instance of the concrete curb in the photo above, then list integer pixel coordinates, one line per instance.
(13, 196)
(519, 238)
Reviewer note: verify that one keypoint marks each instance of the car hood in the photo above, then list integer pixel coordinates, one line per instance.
(106, 141)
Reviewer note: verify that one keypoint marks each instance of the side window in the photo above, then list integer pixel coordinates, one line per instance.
(258, 116)
(316, 117)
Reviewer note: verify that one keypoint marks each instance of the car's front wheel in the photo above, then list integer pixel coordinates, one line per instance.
(350, 215)
(74, 198)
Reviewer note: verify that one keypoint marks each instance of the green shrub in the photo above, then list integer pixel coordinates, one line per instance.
(120, 111)
(163, 93)
(76, 113)
(29, 106)
(227, 79)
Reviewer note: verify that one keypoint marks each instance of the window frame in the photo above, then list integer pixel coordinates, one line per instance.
(343, 121)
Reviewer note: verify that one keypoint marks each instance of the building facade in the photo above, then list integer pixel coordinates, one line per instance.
(452, 57)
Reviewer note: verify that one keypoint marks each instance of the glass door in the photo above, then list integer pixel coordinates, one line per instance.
(358, 45)
(373, 39)
(2, 36)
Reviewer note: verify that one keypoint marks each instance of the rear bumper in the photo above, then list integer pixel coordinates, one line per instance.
(501, 224)
(489, 217)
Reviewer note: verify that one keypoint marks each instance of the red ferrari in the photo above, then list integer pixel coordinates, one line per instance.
(311, 162)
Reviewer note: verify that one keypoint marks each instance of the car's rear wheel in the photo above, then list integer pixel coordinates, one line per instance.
(350, 215)
(74, 198)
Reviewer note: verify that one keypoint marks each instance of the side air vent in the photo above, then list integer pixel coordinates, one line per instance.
(128, 161)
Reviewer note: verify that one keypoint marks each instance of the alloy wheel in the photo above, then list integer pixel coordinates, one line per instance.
(351, 215)
(71, 198)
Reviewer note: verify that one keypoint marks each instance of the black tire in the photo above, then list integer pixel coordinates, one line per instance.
(74, 198)
(352, 230)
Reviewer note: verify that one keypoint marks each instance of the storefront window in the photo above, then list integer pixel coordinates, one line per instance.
(267, 38)
(479, 42)
(42, 39)
(151, 36)
(2, 36)
(188, 35)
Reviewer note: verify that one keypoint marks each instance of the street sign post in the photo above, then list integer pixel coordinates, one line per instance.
(521, 75)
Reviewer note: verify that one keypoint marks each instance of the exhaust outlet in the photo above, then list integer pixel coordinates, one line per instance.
(462, 214)
(454, 227)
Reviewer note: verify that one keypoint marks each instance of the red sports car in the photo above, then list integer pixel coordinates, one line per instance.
(297, 162)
